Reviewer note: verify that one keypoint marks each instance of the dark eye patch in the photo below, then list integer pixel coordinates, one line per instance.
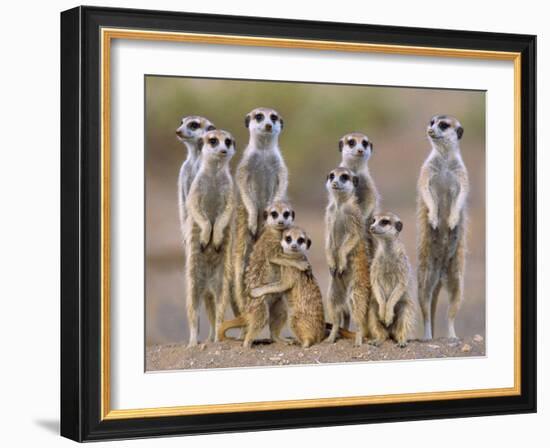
(331, 176)
(286, 214)
(194, 125)
(351, 142)
(384, 222)
(274, 118)
(259, 117)
(344, 177)
(301, 241)
(228, 142)
(288, 239)
(432, 122)
(443, 125)
(365, 144)
(213, 141)
(274, 215)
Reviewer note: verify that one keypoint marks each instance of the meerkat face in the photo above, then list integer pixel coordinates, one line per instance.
(341, 181)
(217, 144)
(279, 215)
(355, 146)
(193, 127)
(444, 129)
(264, 121)
(295, 241)
(385, 225)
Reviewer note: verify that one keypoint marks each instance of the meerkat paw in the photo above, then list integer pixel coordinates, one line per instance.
(341, 272)
(331, 339)
(402, 344)
(332, 271)
(282, 340)
(453, 220)
(432, 219)
(374, 342)
(388, 319)
(192, 344)
(358, 341)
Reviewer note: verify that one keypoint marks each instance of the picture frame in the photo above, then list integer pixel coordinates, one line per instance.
(86, 206)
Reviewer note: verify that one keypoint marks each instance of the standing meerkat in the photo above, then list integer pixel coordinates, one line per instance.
(191, 129)
(260, 271)
(441, 220)
(356, 149)
(346, 252)
(391, 310)
(307, 318)
(210, 206)
(261, 177)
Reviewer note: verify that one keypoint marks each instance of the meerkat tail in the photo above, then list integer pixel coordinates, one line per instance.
(238, 322)
(342, 332)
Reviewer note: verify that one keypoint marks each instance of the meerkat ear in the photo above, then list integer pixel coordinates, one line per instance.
(399, 226)
(459, 132)
(282, 123)
(246, 121)
(200, 143)
(211, 128)
(341, 144)
(371, 147)
(293, 213)
(355, 181)
(308, 243)
(265, 214)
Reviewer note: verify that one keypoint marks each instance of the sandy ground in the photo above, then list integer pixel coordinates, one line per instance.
(232, 354)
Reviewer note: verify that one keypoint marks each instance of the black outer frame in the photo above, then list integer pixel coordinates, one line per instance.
(81, 207)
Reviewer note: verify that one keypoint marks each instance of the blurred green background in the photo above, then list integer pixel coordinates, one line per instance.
(315, 116)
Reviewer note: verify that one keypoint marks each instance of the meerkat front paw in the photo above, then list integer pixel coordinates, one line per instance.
(401, 344)
(432, 219)
(255, 293)
(332, 270)
(217, 241)
(204, 238)
(374, 342)
(388, 319)
(453, 220)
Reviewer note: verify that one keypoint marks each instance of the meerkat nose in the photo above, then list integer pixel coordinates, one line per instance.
(179, 133)
(268, 127)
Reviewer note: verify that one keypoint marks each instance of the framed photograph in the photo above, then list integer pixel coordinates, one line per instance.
(277, 224)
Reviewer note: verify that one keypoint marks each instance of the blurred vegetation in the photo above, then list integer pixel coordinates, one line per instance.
(315, 117)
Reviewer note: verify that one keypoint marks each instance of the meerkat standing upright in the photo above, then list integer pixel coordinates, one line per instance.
(191, 129)
(346, 253)
(441, 219)
(210, 204)
(391, 310)
(261, 177)
(356, 149)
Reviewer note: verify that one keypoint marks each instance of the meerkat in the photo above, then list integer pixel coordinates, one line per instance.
(261, 177)
(391, 310)
(191, 129)
(279, 216)
(357, 149)
(346, 252)
(307, 318)
(210, 207)
(441, 220)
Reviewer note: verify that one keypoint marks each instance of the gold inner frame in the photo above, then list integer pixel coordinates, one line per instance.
(107, 35)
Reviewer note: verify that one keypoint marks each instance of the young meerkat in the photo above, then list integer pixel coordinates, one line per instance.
(357, 149)
(191, 129)
(441, 222)
(210, 207)
(279, 216)
(307, 318)
(391, 310)
(261, 177)
(346, 252)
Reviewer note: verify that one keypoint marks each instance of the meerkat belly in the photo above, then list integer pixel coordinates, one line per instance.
(263, 172)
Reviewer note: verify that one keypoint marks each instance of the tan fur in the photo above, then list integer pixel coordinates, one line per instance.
(261, 178)
(441, 223)
(346, 253)
(210, 207)
(301, 290)
(391, 309)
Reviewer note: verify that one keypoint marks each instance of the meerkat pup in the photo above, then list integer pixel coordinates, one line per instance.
(307, 318)
(441, 221)
(261, 177)
(346, 252)
(279, 216)
(210, 207)
(391, 310)
(357, 149)
(190, 130)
